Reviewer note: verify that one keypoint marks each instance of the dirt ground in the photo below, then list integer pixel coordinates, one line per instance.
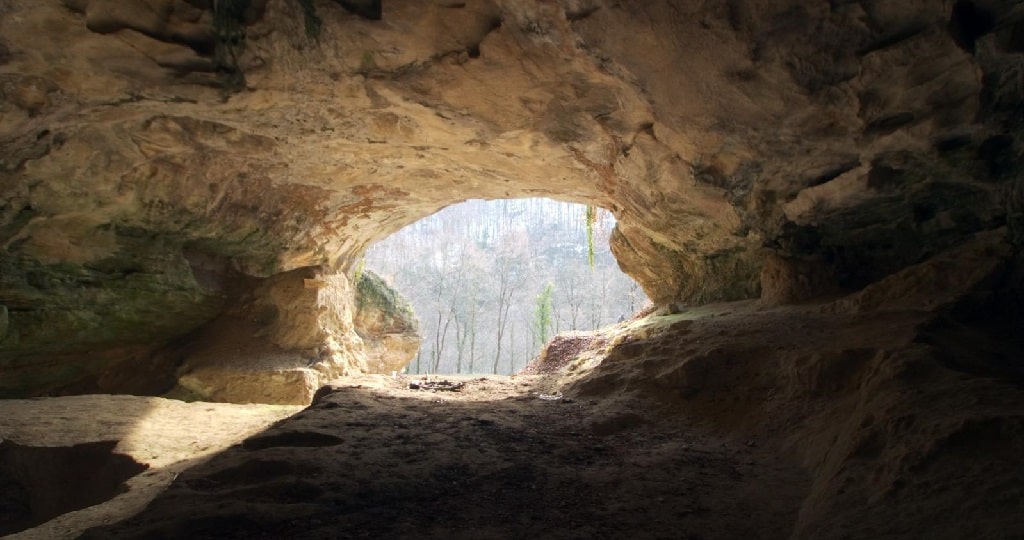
(374, 459)
(166, 436)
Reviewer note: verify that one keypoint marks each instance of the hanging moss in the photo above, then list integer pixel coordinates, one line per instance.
(591, 218)
(359, 270)
(313, 21)
(229, 29)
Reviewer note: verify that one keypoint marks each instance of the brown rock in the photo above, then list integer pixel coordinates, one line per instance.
(787, 281)
(864, 137)
(386, 324)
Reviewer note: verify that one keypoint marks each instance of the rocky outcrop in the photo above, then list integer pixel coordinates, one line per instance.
(285, 336)
(153, 149)
(386, 324)
(902, 401)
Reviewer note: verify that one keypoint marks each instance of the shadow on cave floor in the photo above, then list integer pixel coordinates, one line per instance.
(38, 484)
(68, 463)
(390, 462)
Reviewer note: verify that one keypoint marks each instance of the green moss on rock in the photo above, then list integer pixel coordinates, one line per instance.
(63, 322)
(380, 308)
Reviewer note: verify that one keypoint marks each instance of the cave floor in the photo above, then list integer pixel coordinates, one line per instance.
(374, 459)
(164, 436)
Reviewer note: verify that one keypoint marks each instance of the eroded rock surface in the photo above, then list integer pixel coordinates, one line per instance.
(894, 412)
(285, 336)
(902, 401)
(386, 324)
(153, 151)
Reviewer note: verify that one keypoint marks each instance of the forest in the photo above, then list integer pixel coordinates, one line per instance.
(492, 281)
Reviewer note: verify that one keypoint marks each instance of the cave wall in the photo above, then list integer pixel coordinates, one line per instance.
(153, 160)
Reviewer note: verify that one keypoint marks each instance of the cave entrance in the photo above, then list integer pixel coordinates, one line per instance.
(492, 281)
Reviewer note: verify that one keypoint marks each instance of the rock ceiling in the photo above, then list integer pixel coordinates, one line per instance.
(155, 165)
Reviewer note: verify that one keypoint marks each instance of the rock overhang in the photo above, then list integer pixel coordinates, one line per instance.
(137, 190)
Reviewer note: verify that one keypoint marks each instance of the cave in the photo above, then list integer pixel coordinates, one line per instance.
(824, 203)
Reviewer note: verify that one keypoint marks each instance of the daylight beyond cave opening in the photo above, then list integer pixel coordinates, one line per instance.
(492, 281)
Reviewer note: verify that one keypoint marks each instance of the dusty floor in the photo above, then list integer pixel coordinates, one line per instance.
(491, 461)
(166, 435)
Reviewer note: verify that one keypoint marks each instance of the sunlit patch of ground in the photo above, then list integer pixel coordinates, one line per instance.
(167, 435)
(504, 457)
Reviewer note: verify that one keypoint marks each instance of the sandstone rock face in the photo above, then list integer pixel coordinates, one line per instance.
(386, 324)
(901, 400)
(278, 340)
(158, 162)
(288, 334)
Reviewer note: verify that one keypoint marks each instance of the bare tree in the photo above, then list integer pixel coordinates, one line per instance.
(471, 272)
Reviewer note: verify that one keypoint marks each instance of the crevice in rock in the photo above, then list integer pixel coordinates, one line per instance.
(986, 350)
(367, 9)
(472, 51)
(39, 483)
(16, 152)
(492, 25)
(581, 13)
(889, 123)
(894, 38)
(951, 143)
(968, 23)
(737, 185)
(20, 218)
(834, 172)
(923, 212)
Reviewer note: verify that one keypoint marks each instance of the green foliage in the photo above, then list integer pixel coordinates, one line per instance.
(313, 21)
(591, 218)
(373, 293)
(359, 270)
(543, 313)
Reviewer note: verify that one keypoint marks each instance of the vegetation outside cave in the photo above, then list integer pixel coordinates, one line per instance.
(491, 281)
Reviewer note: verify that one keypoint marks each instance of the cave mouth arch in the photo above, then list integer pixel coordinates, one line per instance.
(492, 281)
